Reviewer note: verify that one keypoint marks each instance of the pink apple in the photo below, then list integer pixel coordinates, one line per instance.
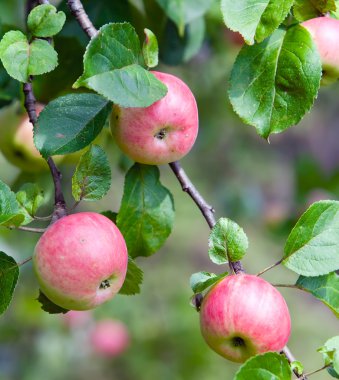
(325, 33)
(161, 133)
(243, 315)
(109, 338)
(81, 261)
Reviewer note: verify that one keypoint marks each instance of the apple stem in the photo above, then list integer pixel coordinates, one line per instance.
(317, 370)
(24, 262)
(270, 267)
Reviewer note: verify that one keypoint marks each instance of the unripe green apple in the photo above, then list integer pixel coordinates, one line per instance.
(325, 34)
(161, 133)
(81, 261)
(243, 315)
(16, 139)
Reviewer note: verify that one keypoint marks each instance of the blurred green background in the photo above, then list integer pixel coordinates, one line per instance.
(264, 187)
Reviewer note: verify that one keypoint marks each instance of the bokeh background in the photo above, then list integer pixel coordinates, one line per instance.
(264, 187)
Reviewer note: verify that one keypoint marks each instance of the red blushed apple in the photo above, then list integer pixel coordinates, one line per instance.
(81, 261)
(161, 133)
(243, 315)
(109, 338)
(325, 34)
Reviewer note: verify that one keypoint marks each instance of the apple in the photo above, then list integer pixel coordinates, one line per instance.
(161, 133)
(16, 139)
(325, 33)
(81, 261)
(243, 315)
(109, 338)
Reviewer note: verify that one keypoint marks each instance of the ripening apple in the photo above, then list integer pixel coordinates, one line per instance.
(16, 139)
(161, 133)
(325, 34)
(81, 261)
(243, 315)
(109, 338)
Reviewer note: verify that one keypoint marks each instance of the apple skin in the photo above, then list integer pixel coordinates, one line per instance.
(161, 133)
(109, 338)
(81, 261)
(243, 315)
(325, 34)
(16, 139)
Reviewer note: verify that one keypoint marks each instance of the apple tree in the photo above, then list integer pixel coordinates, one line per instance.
(76, 73)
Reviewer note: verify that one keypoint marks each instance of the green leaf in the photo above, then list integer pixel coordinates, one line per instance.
(297, 366)
(274, 83)
(22, 59)
(325, 288)
(183, 12)
(49, 306)
(111, 215)
(227, 242)
(312, 248)
(333, 373)
(30, 197)
(131, 86)
(176, 49)
(112, 68)
(202, 280)
(269, 366)
(147, 211)
(307, 9)
(45, 21)
(70, 123)
(92, 177)
(255, 20)
(10, 213)
(150, 49)
(330, 351)
(9, 274)
(133, 280)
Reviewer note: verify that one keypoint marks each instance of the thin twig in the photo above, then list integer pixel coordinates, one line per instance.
(43, 218)
(31, 229)
(80, 14)
(286, 286)
(318, 370)
(206, 209)
(24, 262)
(270, 267)
(289, 356)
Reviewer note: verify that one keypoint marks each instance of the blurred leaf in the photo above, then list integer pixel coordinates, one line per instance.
(312, 248)
(227, 242)
(147, 211)
(297, 366)
(70, 123)
(202, 280)
(274, 83)
(183, 12)
(307, 9)
(9, 274)
(30, 198)
(333, 373)
(92, 177)
(325, 288)
(45, 21)
(255, 20)
(175, 49)
(133, 280)
(150, 49)
(330, 351)
(22, 59)
(10, 214)
(112, 68)
(269, 366)
(48, 306)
